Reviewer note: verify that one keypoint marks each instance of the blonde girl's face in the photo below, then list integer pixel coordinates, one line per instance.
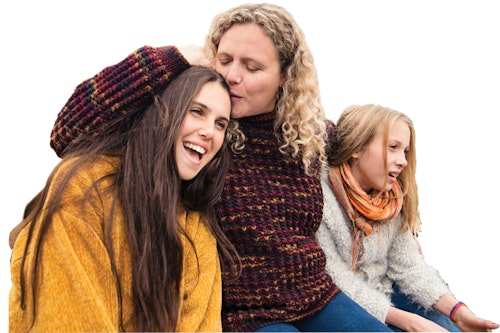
(248, 60)
(203, 130)
(368, 166)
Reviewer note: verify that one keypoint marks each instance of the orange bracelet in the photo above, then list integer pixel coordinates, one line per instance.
(454, 310)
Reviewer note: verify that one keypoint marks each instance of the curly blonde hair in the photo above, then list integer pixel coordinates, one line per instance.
(300, 118)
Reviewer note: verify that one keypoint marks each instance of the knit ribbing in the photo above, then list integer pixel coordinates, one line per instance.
(270, 211)
(113, 91)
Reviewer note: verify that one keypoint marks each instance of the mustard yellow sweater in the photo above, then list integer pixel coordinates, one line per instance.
(77, 290)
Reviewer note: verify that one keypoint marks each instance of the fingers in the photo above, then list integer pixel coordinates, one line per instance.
(195, 55)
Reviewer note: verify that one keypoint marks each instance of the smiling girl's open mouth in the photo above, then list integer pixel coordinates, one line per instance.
(195, 150)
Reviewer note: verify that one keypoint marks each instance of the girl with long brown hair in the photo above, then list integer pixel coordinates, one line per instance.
(123, 237)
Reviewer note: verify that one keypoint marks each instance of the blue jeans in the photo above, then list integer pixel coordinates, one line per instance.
(341, 315)
(400, 301)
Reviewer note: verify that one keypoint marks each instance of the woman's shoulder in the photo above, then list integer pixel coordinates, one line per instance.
(330, 127)
(334, 215)
(81, 175)
(91, 168)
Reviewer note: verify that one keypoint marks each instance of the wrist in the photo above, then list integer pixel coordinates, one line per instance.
(455, 309)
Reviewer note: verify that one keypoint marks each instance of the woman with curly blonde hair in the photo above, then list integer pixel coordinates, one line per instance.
(299, 118)
(272, 201)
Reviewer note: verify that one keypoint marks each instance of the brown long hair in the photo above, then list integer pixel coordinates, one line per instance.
(150, 193)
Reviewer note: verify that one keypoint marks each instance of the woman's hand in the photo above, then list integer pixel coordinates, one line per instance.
(195, 55)
(469, 322)
(411, 322)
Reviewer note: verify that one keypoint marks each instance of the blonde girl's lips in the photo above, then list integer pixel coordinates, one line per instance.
(392, 179)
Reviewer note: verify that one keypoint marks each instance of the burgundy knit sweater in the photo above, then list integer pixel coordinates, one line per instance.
(116, 89)
(270, 208)
(270, 211)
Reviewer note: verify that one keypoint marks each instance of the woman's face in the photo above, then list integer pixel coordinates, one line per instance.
(203, 130)
(368, 165)
(248, 60)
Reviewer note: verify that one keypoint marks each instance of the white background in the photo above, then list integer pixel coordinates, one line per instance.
(437, 61)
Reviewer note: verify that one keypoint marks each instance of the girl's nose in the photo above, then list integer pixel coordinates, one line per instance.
(402, 160)
(207, 130)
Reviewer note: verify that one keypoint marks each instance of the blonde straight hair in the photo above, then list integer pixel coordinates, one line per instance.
(356, 128)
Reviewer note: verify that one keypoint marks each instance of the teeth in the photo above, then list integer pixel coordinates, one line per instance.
(196, 148)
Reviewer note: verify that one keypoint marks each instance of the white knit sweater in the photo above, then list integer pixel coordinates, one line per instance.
(390, 257)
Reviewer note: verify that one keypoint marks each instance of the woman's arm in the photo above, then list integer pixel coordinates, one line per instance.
(462, 315)
(410, 322)
(408, 268)
(116, 89)
(201, 285)
(76, 288)
(414, 277)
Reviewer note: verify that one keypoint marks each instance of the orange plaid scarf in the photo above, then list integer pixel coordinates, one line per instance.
(363, 209)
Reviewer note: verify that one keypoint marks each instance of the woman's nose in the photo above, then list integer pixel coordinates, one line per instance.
(233, 74)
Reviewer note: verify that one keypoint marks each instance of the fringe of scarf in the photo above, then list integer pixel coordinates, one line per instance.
(363, 209)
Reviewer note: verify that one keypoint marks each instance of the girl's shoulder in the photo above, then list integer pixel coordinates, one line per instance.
(91, 168)
(81, 178)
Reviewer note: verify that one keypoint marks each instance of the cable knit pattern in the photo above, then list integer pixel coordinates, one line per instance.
(116, 89)
(271, 211)
(77, 289)
(390, 257)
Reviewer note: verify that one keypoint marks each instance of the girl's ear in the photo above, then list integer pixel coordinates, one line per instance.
(355, 155)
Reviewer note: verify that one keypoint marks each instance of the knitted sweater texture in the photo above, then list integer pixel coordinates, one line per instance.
(77, 290)
(115, 90)
(270, 211)
(391, 257)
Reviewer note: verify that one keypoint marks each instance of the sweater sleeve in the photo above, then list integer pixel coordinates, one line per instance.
(414, 277)
(201, 285)
(116, 89)
(76, 289)
(335, 239)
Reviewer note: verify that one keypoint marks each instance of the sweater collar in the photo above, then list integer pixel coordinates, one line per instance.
(261, 120)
